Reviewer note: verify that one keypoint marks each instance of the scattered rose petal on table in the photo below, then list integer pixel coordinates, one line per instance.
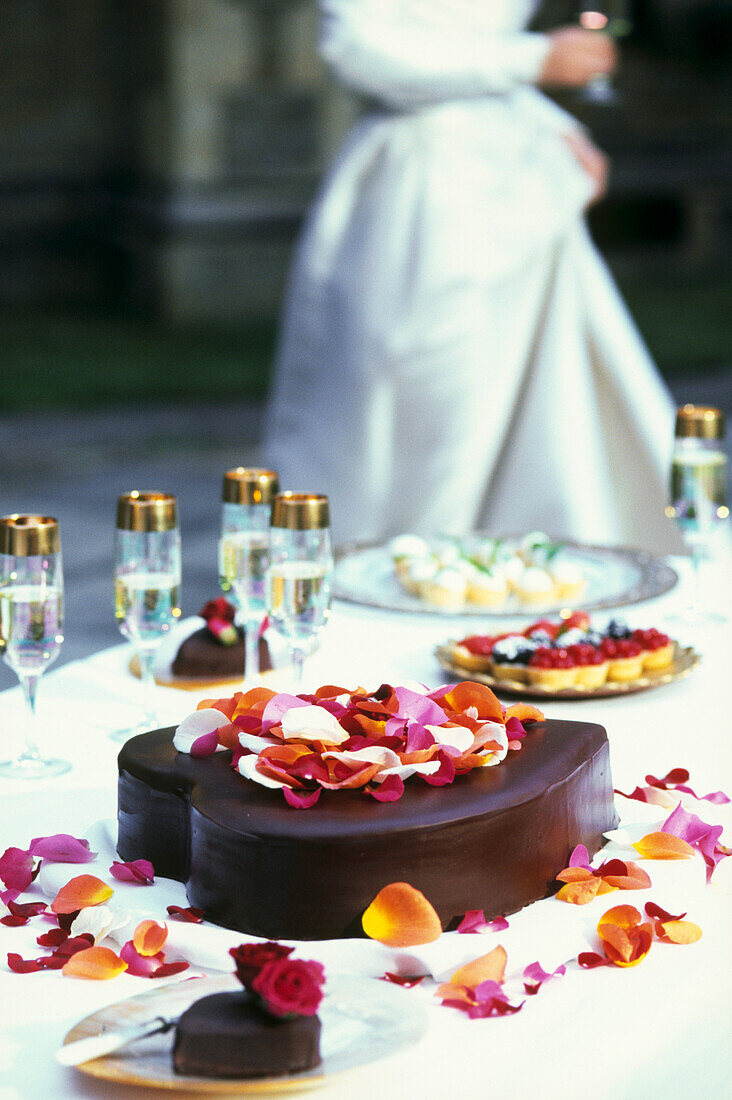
(62, 848)
(535, 976)
(407, 982)
(626, 941)
(190, 914)
(79, 892)
(95, 963)
(140, 871)
(661, 845)
(474, 921)
(149, 937)
(400, 916)
(17, 869)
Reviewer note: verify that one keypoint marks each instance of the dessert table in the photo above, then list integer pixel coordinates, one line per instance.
(659, 1028)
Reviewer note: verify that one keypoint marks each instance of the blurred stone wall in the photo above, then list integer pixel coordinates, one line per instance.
(160, 154)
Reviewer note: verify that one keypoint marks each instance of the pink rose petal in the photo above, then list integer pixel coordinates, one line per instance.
(140, 871)
(206, 745)
(580, 857)
(474, 921)
(140, 966)
(535, 976)
(16, 869)
(62, 848)
(301, 800)
(699, 834)
(391, 790)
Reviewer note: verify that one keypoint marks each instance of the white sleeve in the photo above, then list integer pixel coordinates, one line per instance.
(411, 52)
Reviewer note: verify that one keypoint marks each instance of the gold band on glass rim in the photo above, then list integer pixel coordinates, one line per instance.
(26, 536)
(700, 422)
(250, 485)
(138, 511)
(300, 511)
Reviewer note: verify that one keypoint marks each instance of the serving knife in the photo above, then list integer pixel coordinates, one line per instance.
(95, 1046)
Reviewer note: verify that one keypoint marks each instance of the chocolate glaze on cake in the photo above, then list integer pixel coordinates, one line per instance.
(229, 1035)
(493, 840)
(202, 656)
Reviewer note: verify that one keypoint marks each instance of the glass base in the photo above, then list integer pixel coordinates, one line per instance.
(33, 767)
(144, 726)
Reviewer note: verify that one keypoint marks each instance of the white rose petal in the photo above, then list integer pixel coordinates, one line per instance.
(198, 725)
(312, 723)
(247, 767)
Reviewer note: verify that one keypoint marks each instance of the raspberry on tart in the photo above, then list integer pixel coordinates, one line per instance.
(626, 658)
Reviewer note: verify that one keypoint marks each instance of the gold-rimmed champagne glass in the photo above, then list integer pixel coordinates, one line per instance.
(248, 493)
(611, 17)
(300, 573)
(147, 574)
(31, 623)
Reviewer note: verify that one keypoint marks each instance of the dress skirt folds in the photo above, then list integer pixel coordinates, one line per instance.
(454, 354)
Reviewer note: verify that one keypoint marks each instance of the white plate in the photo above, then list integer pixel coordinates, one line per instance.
(363, 1020)
(364, 574)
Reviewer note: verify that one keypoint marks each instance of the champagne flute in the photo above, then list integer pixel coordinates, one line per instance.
(244, 551)
(300, 573)
(611, 17)
(31, 623)
(147, 572)
(698, 495)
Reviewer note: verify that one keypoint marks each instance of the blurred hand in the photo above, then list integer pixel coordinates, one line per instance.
(592, 159)
(575, 56)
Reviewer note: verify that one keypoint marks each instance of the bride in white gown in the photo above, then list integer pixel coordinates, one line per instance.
(454, 354)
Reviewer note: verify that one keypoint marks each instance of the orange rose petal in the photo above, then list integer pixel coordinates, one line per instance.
(679, 931)
(226, 706)
(579, 893)
(469, 694)
(149, 937)
(624, 916)
(400, 916)
(606, 887)
(490, 967)
(525, 712)
(663, 846)
(80, 892)
(94, 962)
(574, 874)
(449, 992)
(636, 879)
(229, 736)
(626, 947)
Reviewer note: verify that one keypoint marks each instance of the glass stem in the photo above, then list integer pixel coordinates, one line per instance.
(298, 661)
(251, 650)
(29, 682)
(147, 657)
(697, 554)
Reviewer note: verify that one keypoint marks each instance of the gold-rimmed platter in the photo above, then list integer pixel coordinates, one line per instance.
(684, 660)
(362, 1019)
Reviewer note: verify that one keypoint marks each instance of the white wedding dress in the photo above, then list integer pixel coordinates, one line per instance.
(454, 354)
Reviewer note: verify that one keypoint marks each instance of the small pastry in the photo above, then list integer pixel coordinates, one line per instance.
(418, 575)
(568, 580)
(552, 668)
(535, 586)
(510, 658)
(592, 665)
(446, 589)
(474, 652)
(487, 589)
(657, 648)
(626, 659)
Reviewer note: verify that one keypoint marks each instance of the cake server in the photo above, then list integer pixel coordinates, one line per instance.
(94, 1046)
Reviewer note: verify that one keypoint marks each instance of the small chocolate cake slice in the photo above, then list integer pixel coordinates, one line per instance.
(229, 1035)
(202, 657)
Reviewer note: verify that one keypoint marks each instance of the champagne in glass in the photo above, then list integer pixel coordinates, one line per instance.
(699, 493)
(611, 17)
(31, 622)
(147, 572)
(300, 572)
(244, 551)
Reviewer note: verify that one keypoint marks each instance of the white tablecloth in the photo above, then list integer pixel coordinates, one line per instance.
(660, 1028)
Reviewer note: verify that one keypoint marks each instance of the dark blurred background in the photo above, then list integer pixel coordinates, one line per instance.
(156, 160)
(157, 156)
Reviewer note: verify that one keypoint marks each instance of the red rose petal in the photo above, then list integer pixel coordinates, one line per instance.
(189, 914)
(23, 966)
(16, 869)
